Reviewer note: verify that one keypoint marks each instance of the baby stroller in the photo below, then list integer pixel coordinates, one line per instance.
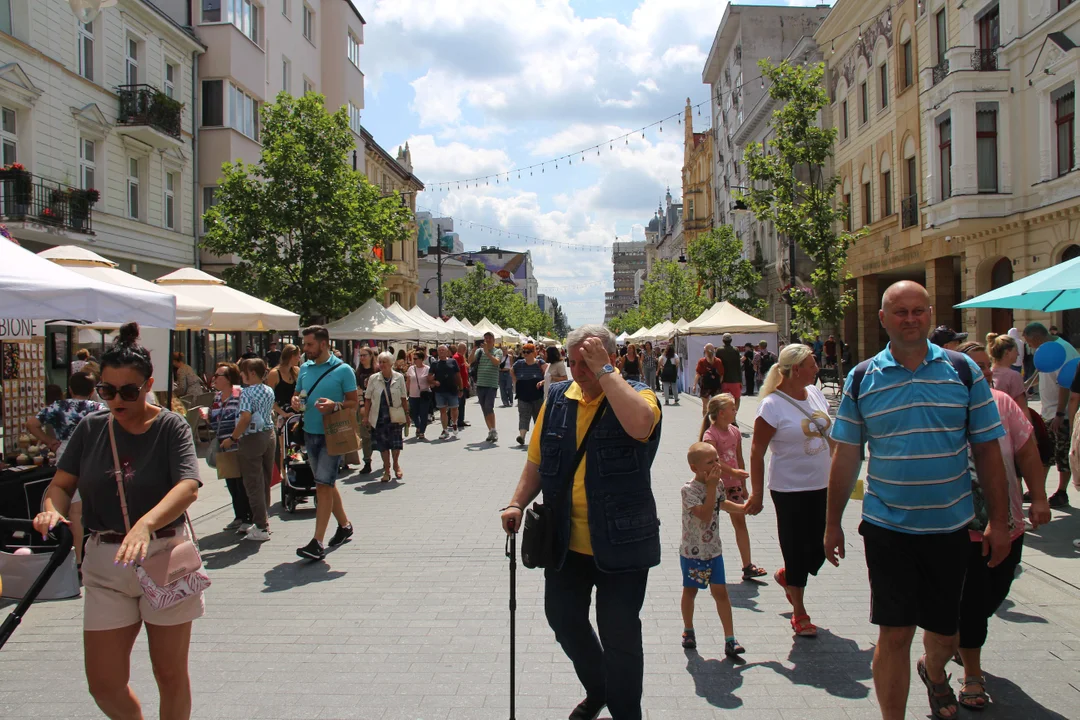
(62, 536)
(297, 480)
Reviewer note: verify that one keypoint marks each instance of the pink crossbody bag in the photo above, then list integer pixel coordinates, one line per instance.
(173, 574)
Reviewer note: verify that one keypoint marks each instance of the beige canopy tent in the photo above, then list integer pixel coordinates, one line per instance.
(430, 332)
(723, 317)
(233, 311)
(190, 315)
(663, 331)
(681, 325)
(462, 332)
(486, 326)
(371, 321)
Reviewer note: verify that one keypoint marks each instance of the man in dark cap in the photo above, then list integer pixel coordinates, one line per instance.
(944, 336)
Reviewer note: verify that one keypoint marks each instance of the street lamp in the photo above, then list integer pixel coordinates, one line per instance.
(87, 10)
(440, 253)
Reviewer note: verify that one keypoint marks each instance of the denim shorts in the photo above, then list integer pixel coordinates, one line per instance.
(324, 466)
(701, 574)
(445, 400)
(486, 396)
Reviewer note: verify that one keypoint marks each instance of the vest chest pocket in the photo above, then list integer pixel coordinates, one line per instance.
(631, 518)
(550, 458)
(617, 460)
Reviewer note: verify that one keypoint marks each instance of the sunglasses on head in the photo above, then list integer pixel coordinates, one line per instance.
(127, 393)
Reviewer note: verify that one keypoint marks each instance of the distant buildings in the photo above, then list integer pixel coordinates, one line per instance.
(629, 263)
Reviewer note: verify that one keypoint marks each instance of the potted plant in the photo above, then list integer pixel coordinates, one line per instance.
(81, 202)
(18, 187)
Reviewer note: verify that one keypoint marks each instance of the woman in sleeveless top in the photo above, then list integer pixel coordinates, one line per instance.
(282, 379)
(630, 365)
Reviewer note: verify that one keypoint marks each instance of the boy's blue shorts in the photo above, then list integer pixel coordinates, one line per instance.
(702, 573)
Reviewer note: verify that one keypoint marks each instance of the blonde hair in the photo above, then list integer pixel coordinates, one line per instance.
(287, 353)
(716, 406)
(1000, 345)
(790, 356)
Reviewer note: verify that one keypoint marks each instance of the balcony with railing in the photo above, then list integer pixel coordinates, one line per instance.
(940, 71)
(909, 211)
(47, 207)
(150, 115)
(985, 60)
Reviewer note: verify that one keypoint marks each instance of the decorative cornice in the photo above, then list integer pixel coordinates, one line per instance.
(15, 83)
(862, 48)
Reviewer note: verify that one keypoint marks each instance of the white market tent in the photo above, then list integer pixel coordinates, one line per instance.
(515, 337)
(234, 311)
(34, 288)
(444, 334)
(641, 335)
(371, 321)
(486, 326)
(663, 331)
(189, 315)
(401, 316)
(621, 339)
(723, 317)
(681, 325)
(462, 333)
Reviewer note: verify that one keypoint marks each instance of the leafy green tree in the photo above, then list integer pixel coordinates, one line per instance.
(561, 324)
(481, 295)
(717, 261)
(628, 321)
(789, 188)
(670, 292)
(302, 222)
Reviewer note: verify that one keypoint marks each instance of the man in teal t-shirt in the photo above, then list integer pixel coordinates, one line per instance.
(325, 385)
(488, 358)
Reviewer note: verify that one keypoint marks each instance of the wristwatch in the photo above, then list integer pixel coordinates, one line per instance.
(606, 370)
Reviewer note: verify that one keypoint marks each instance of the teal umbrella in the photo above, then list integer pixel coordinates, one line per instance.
(1051, 290)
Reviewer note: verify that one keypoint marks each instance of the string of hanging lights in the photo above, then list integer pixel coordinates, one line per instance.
(527, 239)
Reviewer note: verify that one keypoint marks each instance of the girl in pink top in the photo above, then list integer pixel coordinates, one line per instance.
(719, 429)
(1004, 352)
(985, 587)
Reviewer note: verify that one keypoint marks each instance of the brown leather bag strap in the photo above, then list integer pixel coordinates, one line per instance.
(118, 474)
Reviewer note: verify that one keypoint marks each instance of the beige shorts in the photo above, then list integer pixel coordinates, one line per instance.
(114, 598)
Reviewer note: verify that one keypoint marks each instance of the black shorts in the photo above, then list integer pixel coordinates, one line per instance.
(915, 579)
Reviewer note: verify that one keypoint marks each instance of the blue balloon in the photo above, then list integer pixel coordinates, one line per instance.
(1068, 372)
(1049, 357)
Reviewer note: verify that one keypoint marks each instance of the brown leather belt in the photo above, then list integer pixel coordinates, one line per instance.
(111, 538)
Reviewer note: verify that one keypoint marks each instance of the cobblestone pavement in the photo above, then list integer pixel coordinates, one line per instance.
(410, 619)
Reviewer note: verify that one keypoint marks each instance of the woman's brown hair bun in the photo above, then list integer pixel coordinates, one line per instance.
(128, 334)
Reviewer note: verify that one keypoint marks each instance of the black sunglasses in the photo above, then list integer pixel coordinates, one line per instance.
(127, 393)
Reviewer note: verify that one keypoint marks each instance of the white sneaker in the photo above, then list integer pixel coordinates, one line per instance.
(245, 528)
(257, 534)
(494, 436)
(444, 435)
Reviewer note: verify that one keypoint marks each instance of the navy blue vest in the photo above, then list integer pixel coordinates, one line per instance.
(623, 525)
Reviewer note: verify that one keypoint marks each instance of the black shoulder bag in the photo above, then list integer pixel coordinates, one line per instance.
(538, 533)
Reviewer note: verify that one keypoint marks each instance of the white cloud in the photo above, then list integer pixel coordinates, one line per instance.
(454, 159)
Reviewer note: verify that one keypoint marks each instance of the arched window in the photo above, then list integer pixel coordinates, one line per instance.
(885, 173)
(867, 196)
(847, 203)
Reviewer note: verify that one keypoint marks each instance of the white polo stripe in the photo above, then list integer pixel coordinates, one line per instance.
(911, 406)
(914, 530)
(921, 457)
(918, 430)
(944, 506)
(954, 478)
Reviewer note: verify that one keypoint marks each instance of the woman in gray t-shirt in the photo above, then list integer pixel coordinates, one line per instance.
(160, 476)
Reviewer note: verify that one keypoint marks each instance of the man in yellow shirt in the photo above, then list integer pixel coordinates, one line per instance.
(606, 529)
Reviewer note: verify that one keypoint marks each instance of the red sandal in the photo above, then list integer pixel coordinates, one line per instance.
(803, 627)
(780, 576)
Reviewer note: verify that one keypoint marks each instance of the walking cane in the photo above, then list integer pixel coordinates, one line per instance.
(511, 552)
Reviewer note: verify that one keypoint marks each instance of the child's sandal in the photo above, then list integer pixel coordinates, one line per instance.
(689, 642)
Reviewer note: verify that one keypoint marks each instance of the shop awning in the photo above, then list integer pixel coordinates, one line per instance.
(371, 321)
(234, 311)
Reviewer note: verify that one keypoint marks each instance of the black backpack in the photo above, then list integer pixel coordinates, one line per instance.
(670, 371)
(957, 359)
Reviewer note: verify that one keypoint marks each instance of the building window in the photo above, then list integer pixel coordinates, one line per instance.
(395, 298)
(912, 177)
(245, 16)
(131, 71)
(9, 138)
(864, 103)
(868, 205)
(213, 104)
(886, 193)
(986, 140)
(286, 74)
(211, 11)
(87, 163)
(243, 113)
(170, 200)
(171, 74)
(847, 211)
(844, 119)
(133, 188)
(86, 50)
(209, 200)
(309, 24)
(354, 50)
(1064, 109)
(308, 86)
(883, 84)
(941, 35)
(1062, 4)
(5, 16)
(990, 29)
(690, 209)
(909, 64)
(945, 156)
(354, 118)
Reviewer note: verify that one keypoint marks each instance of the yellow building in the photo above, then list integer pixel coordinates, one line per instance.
(998, 86)
(395, 175)
(873, 84)
(696, 180)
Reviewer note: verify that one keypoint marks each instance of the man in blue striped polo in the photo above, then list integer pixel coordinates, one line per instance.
(918, 411)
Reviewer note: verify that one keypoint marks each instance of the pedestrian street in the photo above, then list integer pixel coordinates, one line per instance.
(410, 619)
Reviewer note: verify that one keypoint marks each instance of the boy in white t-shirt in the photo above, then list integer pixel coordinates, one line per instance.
(701, 555)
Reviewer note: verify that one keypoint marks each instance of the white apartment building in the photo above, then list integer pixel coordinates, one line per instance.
(255, 50)
(997, 98)
(742, 111)
(106, 106)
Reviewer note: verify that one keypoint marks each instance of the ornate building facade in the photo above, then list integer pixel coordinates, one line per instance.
(394, 174)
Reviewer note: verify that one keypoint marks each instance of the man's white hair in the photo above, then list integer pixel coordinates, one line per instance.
(600, 332)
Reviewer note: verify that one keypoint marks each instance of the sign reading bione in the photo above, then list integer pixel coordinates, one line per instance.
(20, 329)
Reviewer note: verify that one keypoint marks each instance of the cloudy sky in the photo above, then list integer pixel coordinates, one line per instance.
(479, 87)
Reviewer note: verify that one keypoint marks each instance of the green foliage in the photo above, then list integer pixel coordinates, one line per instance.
(790, 190)
(561, 324)
(671, 292)
(481, 295)
(301, 221)
(717, 261)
